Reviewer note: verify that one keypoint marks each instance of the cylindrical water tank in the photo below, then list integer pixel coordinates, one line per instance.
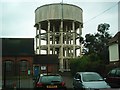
(58, 11)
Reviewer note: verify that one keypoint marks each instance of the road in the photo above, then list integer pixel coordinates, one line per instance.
(68, 79)
(28, 82)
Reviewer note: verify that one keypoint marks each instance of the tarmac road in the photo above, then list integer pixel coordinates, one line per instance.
(28, 82)
(68, 79)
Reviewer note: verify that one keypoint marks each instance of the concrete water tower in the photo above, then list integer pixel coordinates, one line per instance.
(58, 31)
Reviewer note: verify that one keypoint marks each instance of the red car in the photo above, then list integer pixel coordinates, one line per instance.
(113, 78)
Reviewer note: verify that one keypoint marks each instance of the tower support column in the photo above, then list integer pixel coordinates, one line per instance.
(39, 38)
(80, 33)
(73, 27)
(61, 46)
(48, 38)
(53, 40)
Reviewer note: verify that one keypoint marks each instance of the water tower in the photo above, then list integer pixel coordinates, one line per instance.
(58, 31)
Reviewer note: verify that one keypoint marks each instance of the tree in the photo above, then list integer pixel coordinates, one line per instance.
(90, 42)
(102, 28)
(81, 40)
(98, 43)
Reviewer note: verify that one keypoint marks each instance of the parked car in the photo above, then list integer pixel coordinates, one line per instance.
(89, 81)
(113, 78)
(50, 81)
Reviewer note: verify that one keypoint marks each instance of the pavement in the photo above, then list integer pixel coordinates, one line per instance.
(25, 83)
(19, 83)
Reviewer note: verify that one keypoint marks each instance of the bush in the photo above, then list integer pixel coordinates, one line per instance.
(86, 63)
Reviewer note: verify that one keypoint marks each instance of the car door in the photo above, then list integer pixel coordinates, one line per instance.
(117, 78)
(110, 76)
(77, 81)
(74, 80)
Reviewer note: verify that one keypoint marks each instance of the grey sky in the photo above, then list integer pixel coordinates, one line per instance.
(18, 16)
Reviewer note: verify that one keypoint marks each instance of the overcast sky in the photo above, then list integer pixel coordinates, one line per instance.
(18, 17)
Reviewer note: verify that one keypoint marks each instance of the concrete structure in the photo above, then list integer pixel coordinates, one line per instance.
(58, 31)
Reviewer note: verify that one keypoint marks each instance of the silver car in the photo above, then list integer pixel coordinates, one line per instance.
(89, 81)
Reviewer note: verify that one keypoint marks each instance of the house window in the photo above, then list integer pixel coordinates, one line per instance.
(23, 65)
(9, 66)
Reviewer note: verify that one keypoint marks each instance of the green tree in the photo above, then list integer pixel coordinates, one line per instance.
(98, 43)
(90, 43)
(103, 37)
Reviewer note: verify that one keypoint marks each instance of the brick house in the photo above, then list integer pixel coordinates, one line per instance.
(45, 64)
(114, 50)
(17, 56)
(19, 59)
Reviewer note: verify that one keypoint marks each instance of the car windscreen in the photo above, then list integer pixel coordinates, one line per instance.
(91, 77)
(47, 79)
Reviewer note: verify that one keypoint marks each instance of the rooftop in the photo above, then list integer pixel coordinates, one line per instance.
(17, 46)
(115, 39)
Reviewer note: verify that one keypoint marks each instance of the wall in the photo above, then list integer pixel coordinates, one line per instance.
(15, 63)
